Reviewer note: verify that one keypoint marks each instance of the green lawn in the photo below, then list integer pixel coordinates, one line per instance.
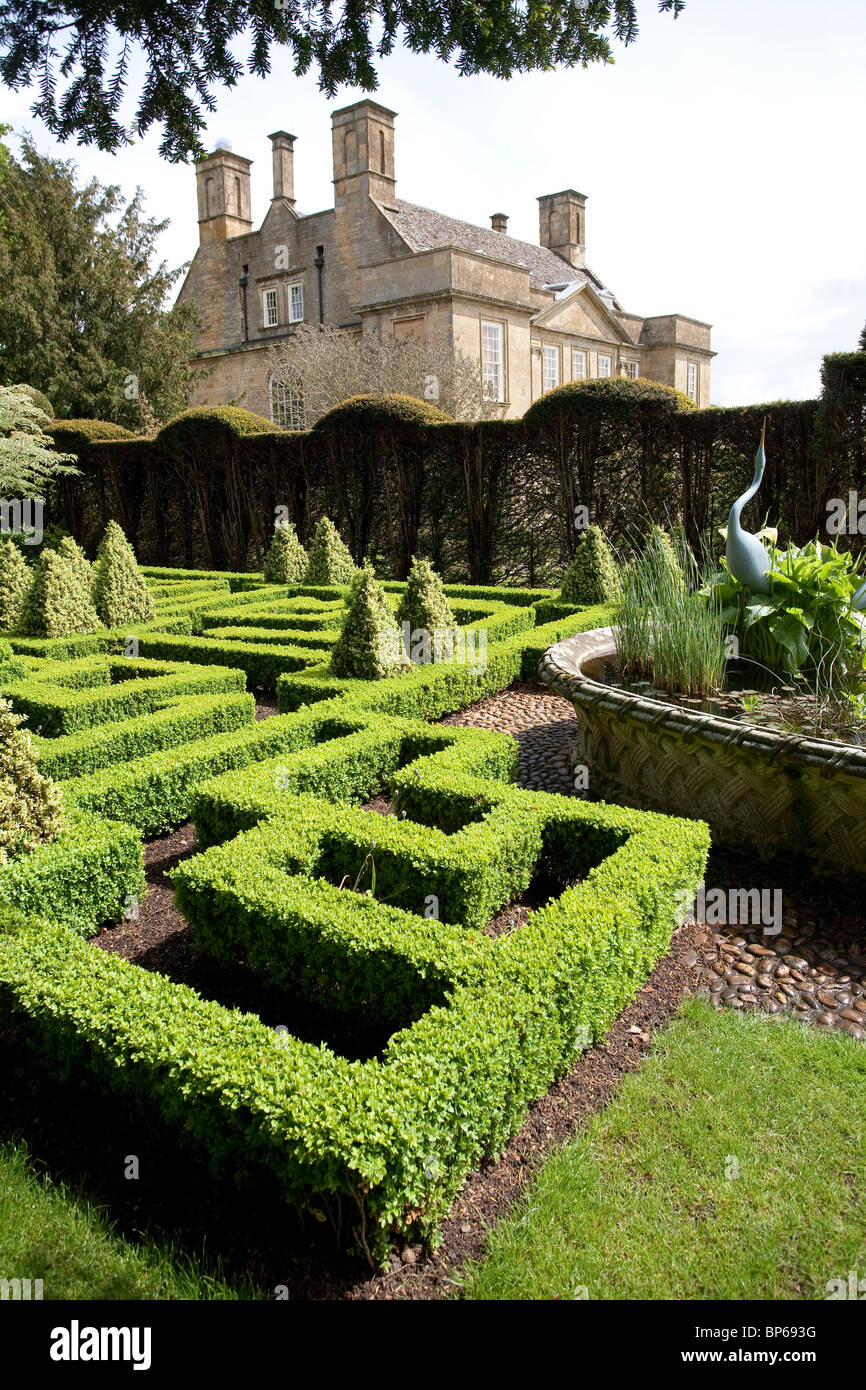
(645, 1203)
(50, 1233)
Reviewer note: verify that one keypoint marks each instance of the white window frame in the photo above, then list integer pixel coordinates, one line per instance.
(632, 370)
(579, 353)
(286, 405)
(493, 360)
(550, 353)
(692, 380)
(295, 301)
(605, 358)
(270, 307)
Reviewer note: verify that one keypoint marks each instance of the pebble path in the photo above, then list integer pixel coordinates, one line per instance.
(544, 725)
(814, 969)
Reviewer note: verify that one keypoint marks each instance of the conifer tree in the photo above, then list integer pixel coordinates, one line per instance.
(15, 581)
(286, 560)
(120, 591)
(329, 561)
(424, 608)
(591, 577)
(58, 602)
(29, 803)
(369, 645)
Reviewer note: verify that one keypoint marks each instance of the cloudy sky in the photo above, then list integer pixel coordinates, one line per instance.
(722, 159)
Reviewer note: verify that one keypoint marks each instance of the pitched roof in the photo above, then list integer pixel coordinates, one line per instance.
(424, 230)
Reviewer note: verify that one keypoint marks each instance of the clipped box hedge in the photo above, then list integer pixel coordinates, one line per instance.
(85, 877)
(320, 639)
(55, 708)
(156, 792)
(483, 1025)
(478, 1026)
(181, 720)
(430, 691)
(264, 664)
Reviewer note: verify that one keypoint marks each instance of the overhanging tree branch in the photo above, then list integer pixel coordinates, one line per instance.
(187, 50)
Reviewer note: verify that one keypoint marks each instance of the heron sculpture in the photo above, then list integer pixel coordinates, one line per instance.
(747, 559)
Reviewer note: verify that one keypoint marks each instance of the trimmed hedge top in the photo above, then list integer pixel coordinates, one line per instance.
(606, 398)
(201, 420)
(364, 411)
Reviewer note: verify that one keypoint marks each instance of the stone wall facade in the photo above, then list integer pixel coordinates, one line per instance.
(375, 264)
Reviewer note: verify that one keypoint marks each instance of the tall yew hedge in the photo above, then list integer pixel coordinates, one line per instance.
(488, 501)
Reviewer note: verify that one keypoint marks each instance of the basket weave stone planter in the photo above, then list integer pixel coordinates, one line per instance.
(759, 790)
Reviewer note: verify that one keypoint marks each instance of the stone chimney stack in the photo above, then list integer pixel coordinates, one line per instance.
(223, 187)
(499, 221)
(562, 225)
(363, 142)
(284, 165)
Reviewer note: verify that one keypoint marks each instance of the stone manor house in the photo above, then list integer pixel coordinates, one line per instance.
(531, 316)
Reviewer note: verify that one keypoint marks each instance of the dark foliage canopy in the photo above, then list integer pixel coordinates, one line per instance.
(80, 53)
(82, 315)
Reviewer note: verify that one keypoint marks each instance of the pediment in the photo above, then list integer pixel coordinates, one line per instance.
(583, 314)
(280, 217)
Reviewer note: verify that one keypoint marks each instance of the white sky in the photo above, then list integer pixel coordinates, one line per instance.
(722, 159)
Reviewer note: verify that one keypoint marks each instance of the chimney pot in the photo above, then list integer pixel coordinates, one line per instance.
(499, 221)
(283, 147)
(562, 224)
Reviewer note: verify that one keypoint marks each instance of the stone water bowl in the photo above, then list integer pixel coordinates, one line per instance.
(759, 790)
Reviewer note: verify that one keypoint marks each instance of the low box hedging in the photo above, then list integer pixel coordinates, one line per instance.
(105, 640)
(281, 616)
(56, 648)
(180, 721)
(480, 1026)
(502, 594)
(164, 589)
(156, 792)
(54, 709)
(391, 1138)
(552, 611)
(428, 692)
(321, 638)
(85, 877)
(262, 663)
(347, 762)
(236, 580)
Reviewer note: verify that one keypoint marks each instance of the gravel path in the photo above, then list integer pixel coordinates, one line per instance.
(814, 968)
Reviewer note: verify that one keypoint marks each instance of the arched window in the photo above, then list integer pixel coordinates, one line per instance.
(286, 399)
(350, 151)
(381, 151)
(238, 197)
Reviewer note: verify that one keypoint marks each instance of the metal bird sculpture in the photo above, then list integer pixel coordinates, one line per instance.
(747, 559)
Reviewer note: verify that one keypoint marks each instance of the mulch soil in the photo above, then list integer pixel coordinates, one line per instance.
(85, 1137)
